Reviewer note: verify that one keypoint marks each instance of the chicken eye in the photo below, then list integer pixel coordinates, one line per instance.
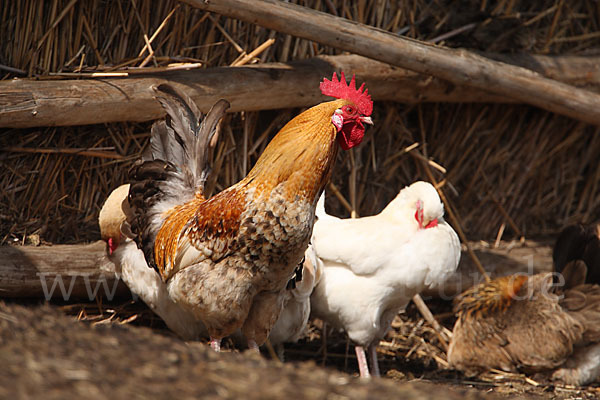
(350, 109)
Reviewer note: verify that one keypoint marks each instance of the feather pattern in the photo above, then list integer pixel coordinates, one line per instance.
(502, 323)
(176, 169)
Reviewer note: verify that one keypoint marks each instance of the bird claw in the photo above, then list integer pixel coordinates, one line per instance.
(215, 344)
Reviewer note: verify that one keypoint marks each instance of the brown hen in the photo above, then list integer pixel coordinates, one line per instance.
(521, 323)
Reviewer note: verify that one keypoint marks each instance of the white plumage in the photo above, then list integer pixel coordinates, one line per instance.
(132, 268)
(293, 318)
(374, 265)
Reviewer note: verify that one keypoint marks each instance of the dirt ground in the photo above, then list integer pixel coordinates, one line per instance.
(121, 350)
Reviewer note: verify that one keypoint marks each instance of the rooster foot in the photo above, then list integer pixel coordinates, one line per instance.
(215, 344)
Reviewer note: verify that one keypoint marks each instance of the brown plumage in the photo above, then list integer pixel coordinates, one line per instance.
(228, 258)
(520, 323)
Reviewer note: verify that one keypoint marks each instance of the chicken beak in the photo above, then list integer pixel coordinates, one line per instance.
(367, 120)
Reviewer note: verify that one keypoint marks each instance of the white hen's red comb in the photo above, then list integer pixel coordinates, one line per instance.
(341, 90)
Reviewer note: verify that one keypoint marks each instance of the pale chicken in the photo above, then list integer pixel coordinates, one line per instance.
(374, 265)
(292, 322)
(132, 268)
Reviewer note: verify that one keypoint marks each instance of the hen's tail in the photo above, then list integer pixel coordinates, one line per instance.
(320, 210)
(174, 168)
(578, 242)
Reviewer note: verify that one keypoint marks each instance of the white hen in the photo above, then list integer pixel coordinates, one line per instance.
(374, 265)
(293, 318)
(132, 268)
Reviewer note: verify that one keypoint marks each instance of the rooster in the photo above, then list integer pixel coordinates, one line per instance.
(525, 323)
(579, 242)
(132, 268)
(228, 259)
(374, 265)
(146, 283)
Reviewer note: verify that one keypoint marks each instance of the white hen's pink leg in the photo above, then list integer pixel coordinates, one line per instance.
(215, 344)
(372, 350)
(363, 367)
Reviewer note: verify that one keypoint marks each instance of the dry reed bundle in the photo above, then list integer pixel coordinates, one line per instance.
(529, 170)
(67, 35)
(504, 166)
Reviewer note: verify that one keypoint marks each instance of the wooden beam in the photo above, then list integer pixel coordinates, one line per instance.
(82, 271)
(60, 272)
(460, 67)
(27, 103)
(31, 103)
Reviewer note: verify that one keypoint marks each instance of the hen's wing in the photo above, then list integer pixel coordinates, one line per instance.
(361, 244)
(174, 170)
(433, 255)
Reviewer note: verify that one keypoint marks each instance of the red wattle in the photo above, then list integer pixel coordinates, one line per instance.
(112, 246)
(432, 224)
(351, 134)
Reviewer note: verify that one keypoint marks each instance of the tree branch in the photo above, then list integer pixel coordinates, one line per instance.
(460, 67)
(28, 103)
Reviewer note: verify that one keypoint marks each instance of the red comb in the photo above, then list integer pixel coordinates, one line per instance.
(340, 90)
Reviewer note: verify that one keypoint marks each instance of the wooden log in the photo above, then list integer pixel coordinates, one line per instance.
(60, 272)
(575, 70)
(460, 67)
(28, 103)
(82, 271)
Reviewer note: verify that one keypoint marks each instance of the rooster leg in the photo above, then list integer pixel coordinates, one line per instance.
(215, 344)
(362, 362)
(372, 350)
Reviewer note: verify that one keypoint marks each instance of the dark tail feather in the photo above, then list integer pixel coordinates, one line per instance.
(206, 133)
(182, 139)
(175, 167)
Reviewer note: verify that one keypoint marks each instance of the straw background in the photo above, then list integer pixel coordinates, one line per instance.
(516, 165)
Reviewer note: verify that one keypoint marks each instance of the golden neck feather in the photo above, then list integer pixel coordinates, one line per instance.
(302, 152)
